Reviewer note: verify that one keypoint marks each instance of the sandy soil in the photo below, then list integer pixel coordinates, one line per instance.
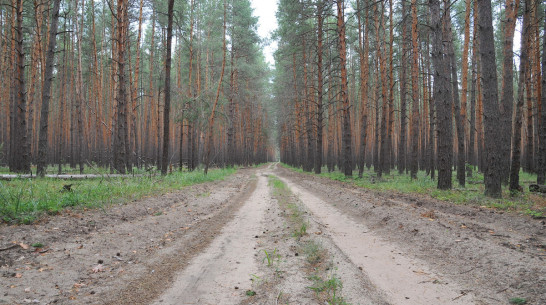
(207, 244)
(126, 254)
(490, 256)
(404, 280)
(212, 277)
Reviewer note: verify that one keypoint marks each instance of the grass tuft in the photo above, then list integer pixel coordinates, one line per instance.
(519, 301)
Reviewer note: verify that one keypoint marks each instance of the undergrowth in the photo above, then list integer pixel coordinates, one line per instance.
(473, 193)
(25, 200)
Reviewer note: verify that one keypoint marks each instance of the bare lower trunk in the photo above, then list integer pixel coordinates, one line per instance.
(516, 133)
(442, 92)
(46, 91)
(318, 153)
(19, 150)
(346, 113)
(507, 92)
(167, 106)
(121, 124)
(541, 170)
(492, 177)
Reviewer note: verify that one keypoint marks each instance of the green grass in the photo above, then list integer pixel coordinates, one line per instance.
(282, 193)
(314, 252)
(88, 169)
(518, 301)
(473, 194)
(271, 256)
(25, 200)
(331, 287)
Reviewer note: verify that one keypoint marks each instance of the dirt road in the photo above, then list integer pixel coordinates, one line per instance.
(235, 242)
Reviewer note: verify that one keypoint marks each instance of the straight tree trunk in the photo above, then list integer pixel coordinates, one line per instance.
(346, 113)
(211, 118)
(167, 106)
(364, 50)
(523, 71)
(79, 91)
(432, 119)
(464, 73)
(135, 90)
(320, 114)
(20, 149)
(121, 124)
(492, 174)
(414, 164)
(384, 151)
(403, 93)
(390, 156)
(507, 92)
(541, 170)
(471, 147)
(443, 100)
(459, 121)
(46, 91)
(189, 141)
(231, 109)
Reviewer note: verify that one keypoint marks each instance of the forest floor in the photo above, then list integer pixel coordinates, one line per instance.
(270, 235)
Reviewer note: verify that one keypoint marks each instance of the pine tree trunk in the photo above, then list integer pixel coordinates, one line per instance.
(79, 93)
(121, 120)
(507, 92)
(390, 127)
(231, 110)
(459, 121)
(46, 91)
(346, 113)
(167, 106)
(464, 92)
(523, 71)
(541, 170)
(403, 93)
(472, 144)
(431, 131)
(212, 115)
(384, 150)
(492, 172)
(320, 114)
(443, 100)
(135, 89)
(364, 50)
(414, 164)
(20, 149)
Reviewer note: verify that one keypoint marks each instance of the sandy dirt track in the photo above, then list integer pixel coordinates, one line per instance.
(206, 244)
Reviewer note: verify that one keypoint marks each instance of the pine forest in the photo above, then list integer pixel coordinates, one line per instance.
(224, 152)
(448, 88)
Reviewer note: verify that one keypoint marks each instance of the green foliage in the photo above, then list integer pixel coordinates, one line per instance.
(277, 184)
(518, 301)
(301, 231)
(250, 293)
(24, 200)
(37, 245)
(331, 287)
(271, 256)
